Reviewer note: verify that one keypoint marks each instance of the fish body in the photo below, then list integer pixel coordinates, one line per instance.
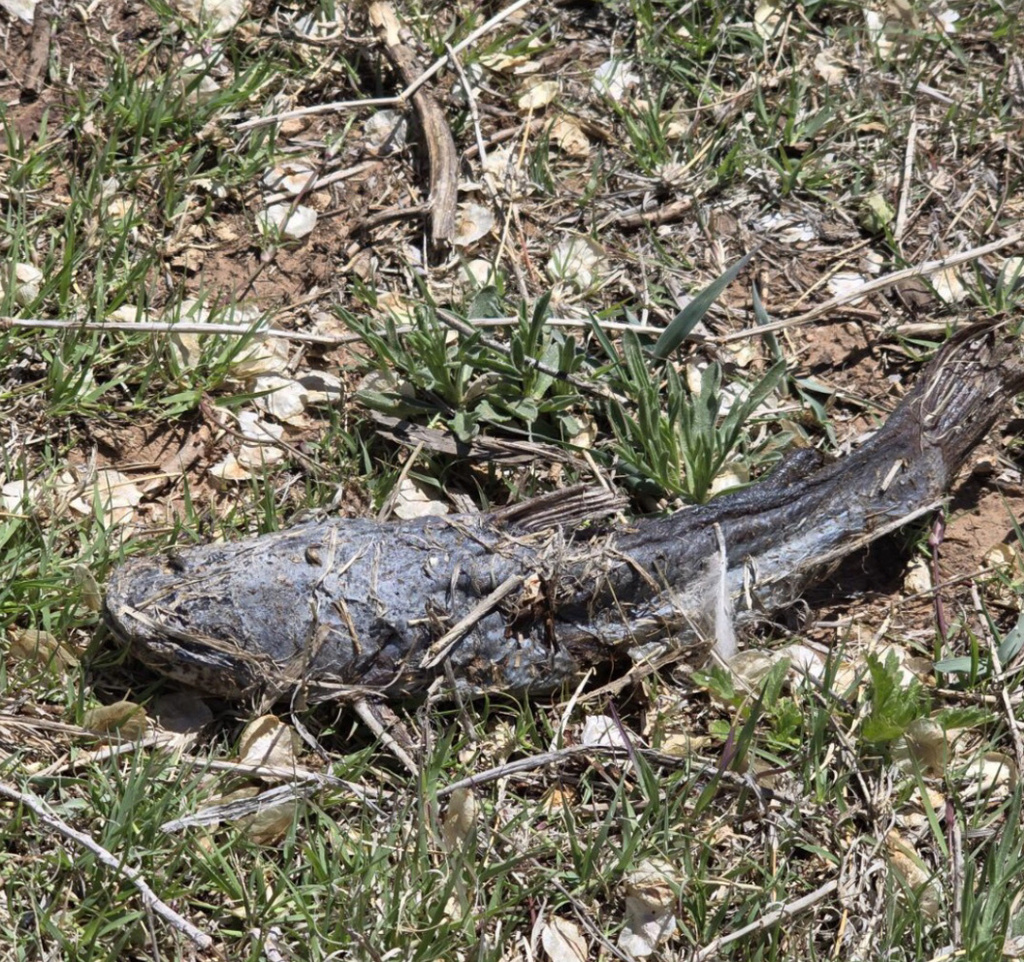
(497, 602)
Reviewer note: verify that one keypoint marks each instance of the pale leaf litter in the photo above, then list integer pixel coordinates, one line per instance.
(651, 895)
(386, 131)
(578, 262)
(460, 819)
(569, 137)
(27, 279)
(537, 94)
(293, 177)
(40, 648)
(267, 742)
(292, 221)
(614, 79)
(120, 721)
(474, 223)
(563, 941)
(24, 10)
(414, 500)
(259, 367)
(602, 731)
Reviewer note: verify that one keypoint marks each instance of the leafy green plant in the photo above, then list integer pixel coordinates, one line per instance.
(678, 439)
(894, 705)
(467, 382)
(979, 664)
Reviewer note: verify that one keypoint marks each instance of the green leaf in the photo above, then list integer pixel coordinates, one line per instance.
(717, 681)
(1012, 642)
(465, 425)
(970, 717)
(962, 665)
(686, 320)
(486, 303)
(893, 705)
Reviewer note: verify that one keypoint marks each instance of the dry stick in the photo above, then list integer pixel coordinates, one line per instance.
(164, 327)
(787, 911)
(151, 900)
(365, 709)
(870, 287)
(444, 645)
(474, 113)
(908, 179)
(330, 340)
(441, 153)
(404, 96)
(317, 182)
(39, 49)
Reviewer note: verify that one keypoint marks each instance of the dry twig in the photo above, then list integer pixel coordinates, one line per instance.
(151, 900)
(440, 145)
(872, 287)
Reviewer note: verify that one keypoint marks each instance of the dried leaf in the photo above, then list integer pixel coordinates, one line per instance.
(460, 819)
(386, 131)
(911, 867)
(92, 594)
(875, 213)
(27, 279)
(557, 800)
(415, 501)
(602, 730)
(282, 397)
(926, 747)
(826, 68)
(918, 578)
(578, 261)
(260, 449)
(846, 282)
(948, 286)
(40, 648)
(267, 742)
(112, 494)
(786, 228)
(803, 661)
(537, 94)
(264, 355)
(569, 137)
(271, 825)
(992, 776)
(767, 18)
(475, 222)
(650, 907)
(322, 388)
(22, 9)
(1001, 556)
(18, 496)
(503, 62)
(217, 16)
(563, 941)
(291, 221)
(292, 177)
(228, 470)
(123, 718)
(613, 78)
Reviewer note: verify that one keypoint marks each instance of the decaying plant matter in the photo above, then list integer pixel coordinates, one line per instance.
(525, 599)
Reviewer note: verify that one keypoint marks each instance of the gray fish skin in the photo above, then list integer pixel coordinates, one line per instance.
(353, 607)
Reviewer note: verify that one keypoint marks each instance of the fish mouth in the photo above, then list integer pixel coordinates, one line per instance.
(212, 665)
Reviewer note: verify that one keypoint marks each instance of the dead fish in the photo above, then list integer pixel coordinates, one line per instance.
(527, 599)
